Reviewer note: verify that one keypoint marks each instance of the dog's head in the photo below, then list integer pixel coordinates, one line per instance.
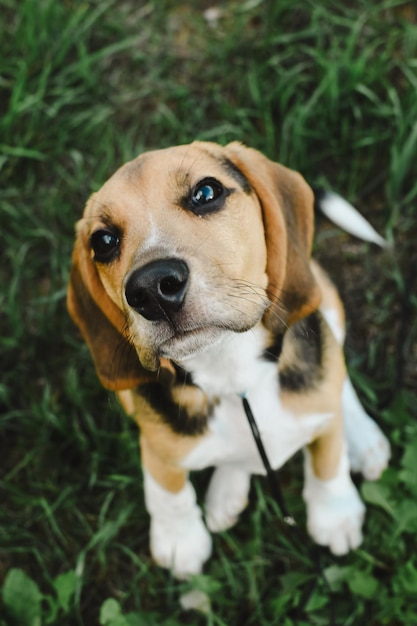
(183, 245)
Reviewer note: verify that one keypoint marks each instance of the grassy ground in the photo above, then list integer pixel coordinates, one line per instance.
(328, 88)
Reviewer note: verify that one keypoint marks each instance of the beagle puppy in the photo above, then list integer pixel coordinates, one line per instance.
(192, 284)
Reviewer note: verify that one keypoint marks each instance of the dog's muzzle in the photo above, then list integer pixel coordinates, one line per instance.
(157, 290)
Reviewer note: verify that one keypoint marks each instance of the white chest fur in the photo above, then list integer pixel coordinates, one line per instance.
(226, 371)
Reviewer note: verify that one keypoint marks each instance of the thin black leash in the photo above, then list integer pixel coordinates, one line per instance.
(302, 539)
(272, 478)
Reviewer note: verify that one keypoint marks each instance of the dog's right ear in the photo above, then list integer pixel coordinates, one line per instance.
(287, 210)
(103, 324)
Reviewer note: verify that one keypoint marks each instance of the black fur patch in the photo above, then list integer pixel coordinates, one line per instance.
(173, 414)
(273, 352)
(183, 377)
(308, 344)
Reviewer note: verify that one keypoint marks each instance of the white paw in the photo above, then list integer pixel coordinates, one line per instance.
(182, 546)
(335, 512)
(179, 539)
(370, 452)
(368, 448)
(226, 498)
(337, 523)
(195, 600)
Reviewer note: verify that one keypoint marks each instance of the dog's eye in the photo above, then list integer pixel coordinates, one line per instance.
(105, 244)
(205, 192)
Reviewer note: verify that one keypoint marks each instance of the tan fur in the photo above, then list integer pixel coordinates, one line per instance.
(192, 399)
(326, 450)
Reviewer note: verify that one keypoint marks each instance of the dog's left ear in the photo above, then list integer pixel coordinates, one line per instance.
(287, 206)
(103, 325)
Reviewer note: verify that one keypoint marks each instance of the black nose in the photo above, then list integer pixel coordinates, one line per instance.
(157, 290)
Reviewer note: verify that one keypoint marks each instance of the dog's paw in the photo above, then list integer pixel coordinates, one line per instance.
(181, 545)
(335, 512)
(226, 498)
(179, 539)
(369, 450)
(337, 522)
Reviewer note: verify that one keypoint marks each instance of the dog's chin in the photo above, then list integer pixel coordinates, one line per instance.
(187, 344)
(176, 347)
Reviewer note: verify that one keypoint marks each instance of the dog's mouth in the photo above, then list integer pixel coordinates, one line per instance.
(177, 346)
(184, 338)
(188, 342)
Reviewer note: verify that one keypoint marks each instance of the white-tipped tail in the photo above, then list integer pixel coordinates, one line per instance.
(343, 214)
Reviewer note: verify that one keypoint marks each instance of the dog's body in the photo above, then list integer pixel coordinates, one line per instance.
(192, 284)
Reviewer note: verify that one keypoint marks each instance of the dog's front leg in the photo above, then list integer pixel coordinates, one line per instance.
(369, 449)
(335, 511)
(179, 539)
(227, 497)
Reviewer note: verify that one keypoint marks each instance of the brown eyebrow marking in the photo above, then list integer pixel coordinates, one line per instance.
(181, 177)
(105, 215)
(231, 169)
(235, 173)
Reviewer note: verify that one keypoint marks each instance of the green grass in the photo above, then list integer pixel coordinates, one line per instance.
(327, 89)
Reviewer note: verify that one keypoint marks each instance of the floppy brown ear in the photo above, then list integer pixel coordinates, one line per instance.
(287, 207)
(103, 324)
